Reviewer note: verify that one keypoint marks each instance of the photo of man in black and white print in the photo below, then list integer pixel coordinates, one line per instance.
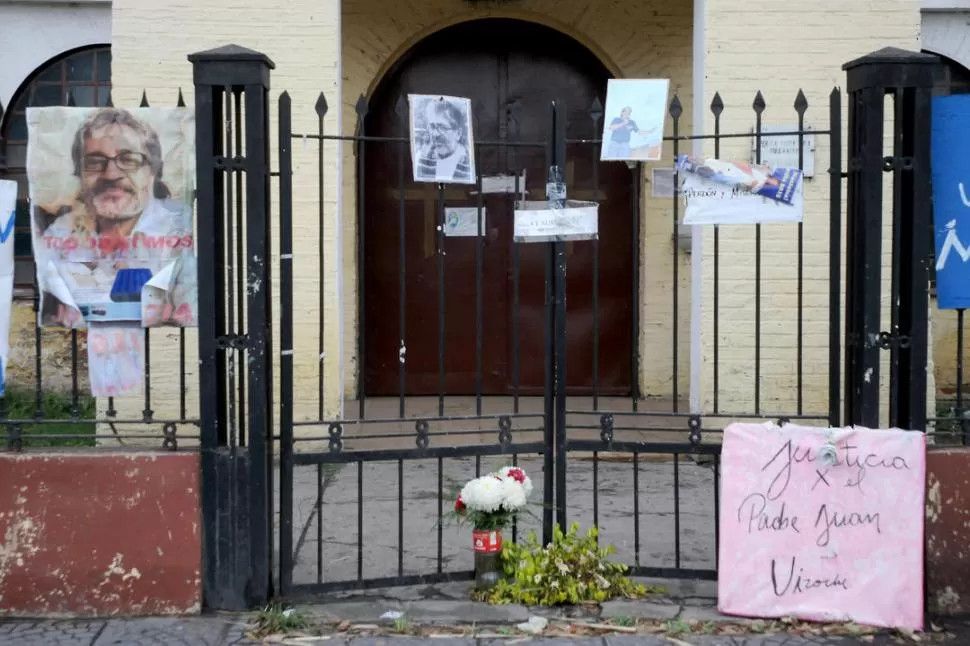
(442, 144)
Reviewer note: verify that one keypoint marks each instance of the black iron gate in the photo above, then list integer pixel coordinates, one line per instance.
(363, 494)
(575, 444)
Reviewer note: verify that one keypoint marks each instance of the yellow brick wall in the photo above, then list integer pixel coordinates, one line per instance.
(150, 42)
(634, 39)
(945, 352)
(780, 49)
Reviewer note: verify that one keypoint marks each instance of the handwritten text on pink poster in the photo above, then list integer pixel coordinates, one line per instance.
(822, 524)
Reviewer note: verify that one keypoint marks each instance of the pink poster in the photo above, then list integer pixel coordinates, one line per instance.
(822, 524)
(116, 360)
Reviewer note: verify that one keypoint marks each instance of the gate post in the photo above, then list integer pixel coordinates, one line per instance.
(908, 77)
(235, 369)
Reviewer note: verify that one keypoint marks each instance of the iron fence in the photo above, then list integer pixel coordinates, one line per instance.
(559, 389)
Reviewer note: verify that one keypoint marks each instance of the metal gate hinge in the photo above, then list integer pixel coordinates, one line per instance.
(890, 163)
(886, 340)
(230, 163)
(232, 342)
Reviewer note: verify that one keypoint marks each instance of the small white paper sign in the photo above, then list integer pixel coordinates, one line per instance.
(492, 184)
(537, 222)
(781, 151)
(710, 202)
(461, 221)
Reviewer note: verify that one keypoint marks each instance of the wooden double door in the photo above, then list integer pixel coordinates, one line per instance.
(511, 71)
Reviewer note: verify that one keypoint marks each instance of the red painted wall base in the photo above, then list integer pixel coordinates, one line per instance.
(948, 531)
(100, 534)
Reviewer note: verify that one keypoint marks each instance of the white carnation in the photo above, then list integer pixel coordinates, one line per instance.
(483, 494)
(526, 485)
(513, 494)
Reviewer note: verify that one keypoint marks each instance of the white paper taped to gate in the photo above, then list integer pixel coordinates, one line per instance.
(461, 221)
(497, 184)
(116, 360)
(539, 221)
(8, 218)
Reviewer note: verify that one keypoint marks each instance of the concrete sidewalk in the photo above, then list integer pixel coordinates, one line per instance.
(444, 614)
(226, 631)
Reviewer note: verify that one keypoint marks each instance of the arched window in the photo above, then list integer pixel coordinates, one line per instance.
(85, 75)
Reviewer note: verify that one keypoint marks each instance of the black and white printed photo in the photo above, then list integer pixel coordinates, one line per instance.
(442, 144)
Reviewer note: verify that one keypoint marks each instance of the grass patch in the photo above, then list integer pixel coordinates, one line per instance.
(275, 619)
(21, 404)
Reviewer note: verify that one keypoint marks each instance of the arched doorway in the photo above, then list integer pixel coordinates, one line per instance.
(511, 70)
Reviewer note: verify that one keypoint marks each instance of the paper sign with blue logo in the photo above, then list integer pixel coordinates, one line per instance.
(8, 218)
(951, 200)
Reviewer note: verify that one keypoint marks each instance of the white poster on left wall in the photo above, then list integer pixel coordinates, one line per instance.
(8, 219)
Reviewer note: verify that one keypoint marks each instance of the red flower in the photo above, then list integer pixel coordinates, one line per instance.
(459, 505)
(517, 474)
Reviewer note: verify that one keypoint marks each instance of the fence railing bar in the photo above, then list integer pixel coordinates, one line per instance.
(402, 160)
(480, 237)
(435, 418)
(759, 107)
(318, 509)
(400, 517)
(958, 410)
(717, 107)
(636, 509)
(386, 455)
(231, 232)
(801, 105)
(360, 520)
(677, 510)
(236, 178)
(542, 144)
(897, 243)
(321, 110)
(595, 114)
(361, 149)
(675, 110)
(835, 256)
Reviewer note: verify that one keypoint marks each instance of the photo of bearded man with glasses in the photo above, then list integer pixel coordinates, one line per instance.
(441, 139)
(122, 231)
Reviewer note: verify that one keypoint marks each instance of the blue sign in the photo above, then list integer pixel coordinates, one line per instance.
(950, 143)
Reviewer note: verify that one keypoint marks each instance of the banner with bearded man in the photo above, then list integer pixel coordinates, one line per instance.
(111, 195)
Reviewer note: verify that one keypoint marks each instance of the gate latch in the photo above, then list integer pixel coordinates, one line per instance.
(887, 340)
(232, 342)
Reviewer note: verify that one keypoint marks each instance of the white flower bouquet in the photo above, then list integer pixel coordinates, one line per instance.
(492, 501)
